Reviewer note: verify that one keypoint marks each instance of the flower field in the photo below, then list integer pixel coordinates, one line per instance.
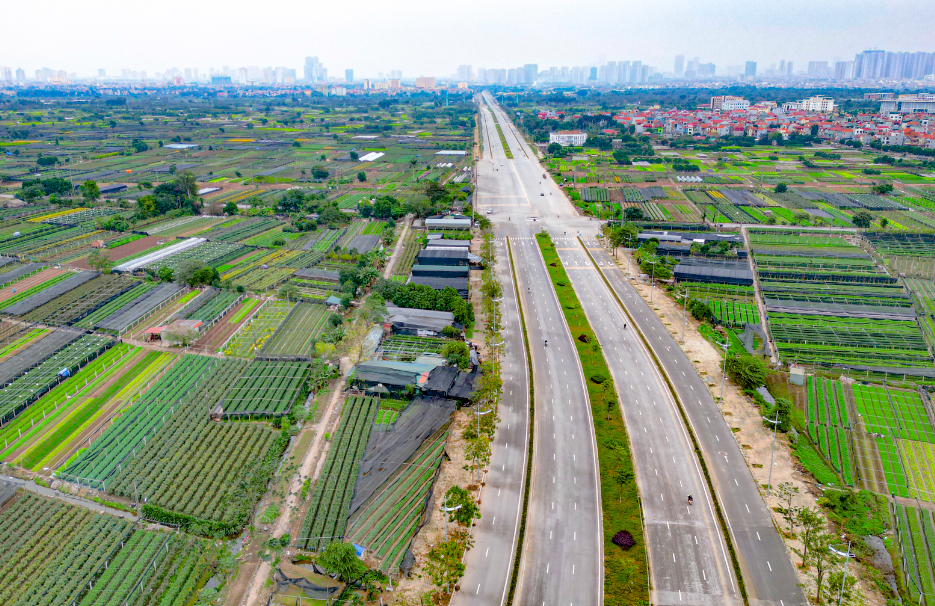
(251, 338)
(386, 523)
(296, 336)
(266, 389)
(123, 439)
(30, 386)
(327, 517)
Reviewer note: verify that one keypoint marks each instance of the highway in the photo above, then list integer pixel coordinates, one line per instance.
(562, 557)
(764, 560)
(686, 546)
(689, 558)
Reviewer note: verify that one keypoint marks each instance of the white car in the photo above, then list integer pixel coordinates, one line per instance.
(489, 211)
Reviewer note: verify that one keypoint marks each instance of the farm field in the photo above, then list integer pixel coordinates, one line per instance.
(297, 335)
(170, 467)
(326, 519)
(107, 454)
(65, 547)
(914, 534)
(29, 387)
(266, 389)
(251, 338)
(826, 300)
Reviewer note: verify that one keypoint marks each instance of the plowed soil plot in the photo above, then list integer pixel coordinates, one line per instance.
(222, 331)
(123, 251)
(12, 290)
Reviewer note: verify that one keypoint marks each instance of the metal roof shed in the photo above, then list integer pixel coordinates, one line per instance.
(711, 273)
(456, 256)
(459, 284)
(441, 271)
(449, 222)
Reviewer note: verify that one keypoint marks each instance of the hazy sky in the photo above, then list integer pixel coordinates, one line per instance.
(434, 37)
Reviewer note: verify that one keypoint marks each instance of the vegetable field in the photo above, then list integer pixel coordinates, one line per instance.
(266, 389)
(828, 426)
(33, 384)
(327, 517)
(915, 534)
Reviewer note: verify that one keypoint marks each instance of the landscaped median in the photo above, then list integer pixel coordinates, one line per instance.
(625, 571)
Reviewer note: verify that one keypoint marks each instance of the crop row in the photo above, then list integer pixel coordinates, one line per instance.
(213, 307)
(919, 461)
(267, 388)
(49, 423)
(297, 335)
(34, 289)
(326, 242)
(79, 302)
(735, 314)
(209, 253)
(114, 305)
(916, 534)
(106, 454)
(34, 383)
(250, 339)
(327, 516)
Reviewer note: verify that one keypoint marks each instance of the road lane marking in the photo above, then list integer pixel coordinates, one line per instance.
(770, 567)
(747, 506)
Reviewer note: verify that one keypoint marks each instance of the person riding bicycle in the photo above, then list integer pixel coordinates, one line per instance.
(690, 499)
(546, 342)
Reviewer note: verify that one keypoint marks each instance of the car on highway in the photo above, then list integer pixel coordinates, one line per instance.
(541, 194)
(489, 211)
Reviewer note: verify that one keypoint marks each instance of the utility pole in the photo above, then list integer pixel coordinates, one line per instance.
(652, 281)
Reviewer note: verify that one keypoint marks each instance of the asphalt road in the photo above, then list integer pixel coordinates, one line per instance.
(765, 563)
(521, 203)
(689, 558)
(562, 557)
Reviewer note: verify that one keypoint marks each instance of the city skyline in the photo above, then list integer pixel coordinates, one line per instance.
(797, 32)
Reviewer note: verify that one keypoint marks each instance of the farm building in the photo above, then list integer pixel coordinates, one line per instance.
(441, 271)
(449, 382)
(113, 188)
(459, 284)
(420, 322)
(448, 222)
(394, 376)
(455, 244)
(711, 270)
(457, 256)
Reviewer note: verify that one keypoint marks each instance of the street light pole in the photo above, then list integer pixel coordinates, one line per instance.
(847, 558)
(652, 281)
(686, 296)
(726, 346)
(769, 481)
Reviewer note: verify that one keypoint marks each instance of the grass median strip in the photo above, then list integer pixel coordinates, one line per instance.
(625, 571)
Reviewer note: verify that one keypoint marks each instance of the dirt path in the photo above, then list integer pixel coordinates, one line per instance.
(400, 245)
(262, 571)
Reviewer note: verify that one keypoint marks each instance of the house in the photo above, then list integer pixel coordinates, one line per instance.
(565, 138)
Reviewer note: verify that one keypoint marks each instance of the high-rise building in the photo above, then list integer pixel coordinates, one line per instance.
(465, 73)
(679, 66)
(636, 71)
(530, 73)
(749, 70)
(101, 73)
(188, 74)
(349, 75)
(425, 82)
(623, 71)
(20, 75)
(818, 70)
(314, 71)
(396, 74)
(481, 74)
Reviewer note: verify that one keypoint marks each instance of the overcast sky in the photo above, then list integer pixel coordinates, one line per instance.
(433, 37)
